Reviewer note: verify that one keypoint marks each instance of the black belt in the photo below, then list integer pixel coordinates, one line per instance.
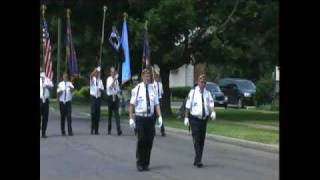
(196, 117)
(95, 97)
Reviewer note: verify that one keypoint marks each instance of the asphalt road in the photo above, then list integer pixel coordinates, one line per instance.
(94, 157)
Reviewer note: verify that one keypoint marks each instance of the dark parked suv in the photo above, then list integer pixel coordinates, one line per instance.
(218, 96)
(240, 92)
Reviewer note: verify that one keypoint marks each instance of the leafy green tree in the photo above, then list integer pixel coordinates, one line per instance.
(239, 38)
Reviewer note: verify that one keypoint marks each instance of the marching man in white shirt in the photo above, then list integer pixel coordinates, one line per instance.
(45, 86)
(143, 100)
(112, 91)
(199, 104)
(65, 97)
(159, 90)
(96, 87)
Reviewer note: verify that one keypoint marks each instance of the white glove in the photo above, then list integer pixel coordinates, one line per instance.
(99, 69)
(42, 74)
(116, 76)
(160, 121)
(186, 122)
(132, 123)
(213, 115)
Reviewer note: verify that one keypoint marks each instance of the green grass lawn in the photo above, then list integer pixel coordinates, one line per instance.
(225, 128)
(231, 129)
(227, 124)
(248, 116)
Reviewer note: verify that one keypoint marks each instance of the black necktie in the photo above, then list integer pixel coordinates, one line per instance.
(148, 100)
(97, 87)
(158, 89)
(65, 91)
(43, 89)
(203, 110)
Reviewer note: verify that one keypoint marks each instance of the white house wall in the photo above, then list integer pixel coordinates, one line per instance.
(182, 77)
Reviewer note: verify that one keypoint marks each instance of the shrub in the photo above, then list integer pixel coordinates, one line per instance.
(85, 92)
(80, 82)
(275, 104)
(264, 90)
(180, 92)
(76, 96)
(81, 95)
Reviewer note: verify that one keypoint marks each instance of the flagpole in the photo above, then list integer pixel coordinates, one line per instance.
(58, 55)
(102, 37)
(150, 67)
(146, 30)
(59, 50)
(68, 24)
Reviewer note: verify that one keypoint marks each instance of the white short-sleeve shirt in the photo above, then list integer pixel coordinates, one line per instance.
(194, 102)
(64, 88)
(96, 87)
(45, 84)
(139, 99)
(112, 90)
(158, 88)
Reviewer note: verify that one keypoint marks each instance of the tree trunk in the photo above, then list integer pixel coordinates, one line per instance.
(166, 98)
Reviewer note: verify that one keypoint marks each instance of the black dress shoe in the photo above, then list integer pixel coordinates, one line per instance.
(199, 165)
(91, 132)
(163, 134)
(140, 168)
(63, 134)
(146, 168)
(109, 132)
(96, 133)
(70, 134)
(119, 133)
(44, 136)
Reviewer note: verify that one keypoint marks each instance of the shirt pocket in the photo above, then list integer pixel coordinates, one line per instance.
(152, 98)
(139, 102)
(194, 104)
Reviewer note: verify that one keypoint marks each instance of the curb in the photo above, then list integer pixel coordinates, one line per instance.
(239, 142)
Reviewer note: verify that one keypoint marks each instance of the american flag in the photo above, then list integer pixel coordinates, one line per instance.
(47, 63)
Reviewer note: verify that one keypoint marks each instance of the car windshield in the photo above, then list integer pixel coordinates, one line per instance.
(214, 88)
(246, 85)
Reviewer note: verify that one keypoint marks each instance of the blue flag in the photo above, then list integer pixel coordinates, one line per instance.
(126, 71)
(146, 53)
(70, 52)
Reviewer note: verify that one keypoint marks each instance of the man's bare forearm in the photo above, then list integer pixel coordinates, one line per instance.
(158, 110)
(130, 111)
(186, 114)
